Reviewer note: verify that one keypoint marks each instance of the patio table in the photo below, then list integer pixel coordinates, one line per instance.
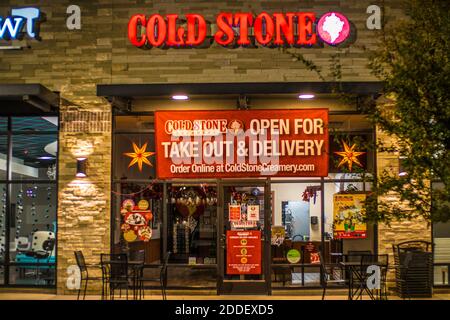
(133, 271)
(357, 271)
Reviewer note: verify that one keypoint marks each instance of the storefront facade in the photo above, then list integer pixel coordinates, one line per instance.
(112, 76)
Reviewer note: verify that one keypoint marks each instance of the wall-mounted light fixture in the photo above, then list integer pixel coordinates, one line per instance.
(401, 166)
(81, 167)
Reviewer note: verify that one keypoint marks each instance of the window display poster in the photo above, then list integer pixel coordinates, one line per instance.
(278, 235)
(243, 252)
(234, 212)
(253, 212)
(348, 216)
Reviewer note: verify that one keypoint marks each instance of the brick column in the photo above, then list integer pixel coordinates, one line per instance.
(84, 203)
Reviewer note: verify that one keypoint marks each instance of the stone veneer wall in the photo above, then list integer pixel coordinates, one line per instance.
(396, 232)
(74, 62)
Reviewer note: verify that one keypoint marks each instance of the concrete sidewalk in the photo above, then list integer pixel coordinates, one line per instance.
(4, 295)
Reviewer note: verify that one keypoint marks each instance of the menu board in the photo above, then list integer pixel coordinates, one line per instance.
(243, 252)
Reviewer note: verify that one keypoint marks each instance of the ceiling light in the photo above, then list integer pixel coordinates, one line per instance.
(180, 97)
(306, 96)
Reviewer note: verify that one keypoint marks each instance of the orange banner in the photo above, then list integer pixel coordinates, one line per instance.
(243, 252)
(238, 143)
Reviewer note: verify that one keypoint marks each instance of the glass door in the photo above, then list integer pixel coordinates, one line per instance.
(244, 244)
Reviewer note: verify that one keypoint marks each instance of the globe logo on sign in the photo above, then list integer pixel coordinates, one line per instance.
(333, 28)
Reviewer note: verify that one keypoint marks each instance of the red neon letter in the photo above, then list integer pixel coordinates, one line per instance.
(259, 36)
(286, 27)
(174, 32)
(244, 20)
(135, 21)
(305, 28)
(224, 22)
(192, 20)
(156, 30)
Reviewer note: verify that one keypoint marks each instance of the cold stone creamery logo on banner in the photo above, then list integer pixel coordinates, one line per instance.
(11, 27)
(238, 29)
(214, 144)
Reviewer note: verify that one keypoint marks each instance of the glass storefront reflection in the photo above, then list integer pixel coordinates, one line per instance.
(33, 234)
(28, 197)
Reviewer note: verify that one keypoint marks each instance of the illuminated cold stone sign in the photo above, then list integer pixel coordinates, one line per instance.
(11, 27)
(238, 29)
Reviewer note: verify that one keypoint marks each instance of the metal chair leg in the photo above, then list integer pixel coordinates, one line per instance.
(85, 288)
(79, 289)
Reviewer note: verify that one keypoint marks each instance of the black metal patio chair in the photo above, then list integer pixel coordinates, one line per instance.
(84, 273)
(328, 277)
(116, 272)
(144, 278)
(413, 268)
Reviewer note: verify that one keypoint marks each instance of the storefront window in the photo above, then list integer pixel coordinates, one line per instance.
(363, 236)
(137, 200)
(33, 124)
(3, 155)
(187, 213)
(297, 214)
(134, 123)
(2, 230)
(32, 205)
(441, 240)
(137, 221)
(33, 230)
(351, 133)
(192, 230)
(128, 148)
(192, 234)
(34, 156)
(3, 124)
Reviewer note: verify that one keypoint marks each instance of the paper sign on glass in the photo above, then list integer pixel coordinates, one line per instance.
(234, 212)
(253, 213)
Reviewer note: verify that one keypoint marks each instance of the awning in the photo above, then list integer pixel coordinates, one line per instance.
(18, 99)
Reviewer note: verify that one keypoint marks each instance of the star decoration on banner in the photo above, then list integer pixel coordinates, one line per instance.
(139, 156)
(349, 155)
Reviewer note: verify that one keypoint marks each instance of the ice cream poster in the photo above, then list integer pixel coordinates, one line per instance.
(348, 213)
(135, 221)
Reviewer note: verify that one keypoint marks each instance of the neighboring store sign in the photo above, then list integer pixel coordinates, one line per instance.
(348, 216)
(250, 143)
(243, 252)
(238, 29)
(12, 27)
